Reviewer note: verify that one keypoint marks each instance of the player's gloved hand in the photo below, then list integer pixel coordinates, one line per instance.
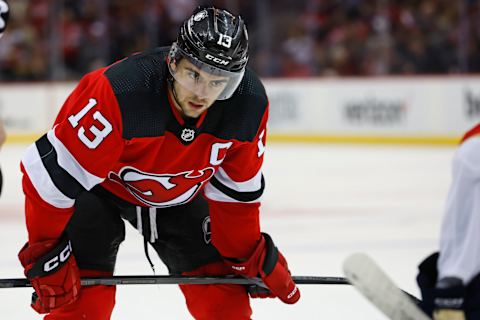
(272, 267)
(443, 299)
(258, 291)
(51, 268)
(449, 299)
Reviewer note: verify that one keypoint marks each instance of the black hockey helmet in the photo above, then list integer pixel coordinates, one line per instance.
(215, 41)
(216, 37)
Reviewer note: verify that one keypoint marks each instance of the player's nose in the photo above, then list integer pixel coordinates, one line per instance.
(202, 92)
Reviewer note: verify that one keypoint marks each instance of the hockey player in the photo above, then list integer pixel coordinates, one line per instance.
(3, 137)
(450, 280)
(172, 141)
(4, 13)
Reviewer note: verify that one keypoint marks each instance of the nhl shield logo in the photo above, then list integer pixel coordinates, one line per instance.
(187, 135)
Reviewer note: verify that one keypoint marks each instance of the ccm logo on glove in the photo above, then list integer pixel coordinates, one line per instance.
(55, 262)
(238, 268)
(53, 272)
(291, 294)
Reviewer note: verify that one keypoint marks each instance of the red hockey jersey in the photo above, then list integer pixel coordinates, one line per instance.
(119, 129)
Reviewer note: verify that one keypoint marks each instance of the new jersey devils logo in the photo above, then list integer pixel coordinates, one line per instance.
(162, 190)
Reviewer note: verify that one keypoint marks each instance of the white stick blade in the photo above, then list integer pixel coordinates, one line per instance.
(375, 285)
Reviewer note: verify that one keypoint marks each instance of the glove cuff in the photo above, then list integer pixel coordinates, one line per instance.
(248, 268)
(271, 255)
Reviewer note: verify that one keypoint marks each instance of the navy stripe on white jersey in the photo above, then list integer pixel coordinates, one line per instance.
(222, 188)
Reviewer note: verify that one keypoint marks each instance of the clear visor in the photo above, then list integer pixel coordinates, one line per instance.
(204, 80)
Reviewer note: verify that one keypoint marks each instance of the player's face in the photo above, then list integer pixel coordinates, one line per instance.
(196, 90)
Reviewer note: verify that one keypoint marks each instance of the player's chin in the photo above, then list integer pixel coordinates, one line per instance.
(194, 113)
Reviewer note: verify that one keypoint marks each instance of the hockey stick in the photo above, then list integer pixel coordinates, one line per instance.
(123, 280)
(375, 285)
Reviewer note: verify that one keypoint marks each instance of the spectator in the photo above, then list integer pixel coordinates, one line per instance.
(60, 40)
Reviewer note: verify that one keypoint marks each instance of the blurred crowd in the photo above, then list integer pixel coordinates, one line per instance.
(63, 39)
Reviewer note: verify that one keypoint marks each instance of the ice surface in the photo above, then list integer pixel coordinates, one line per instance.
(322, 202)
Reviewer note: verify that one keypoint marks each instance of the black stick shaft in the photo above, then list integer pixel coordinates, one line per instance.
(124, 280)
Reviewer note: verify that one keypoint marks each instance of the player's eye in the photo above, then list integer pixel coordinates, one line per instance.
(218, 83)
(193, 75)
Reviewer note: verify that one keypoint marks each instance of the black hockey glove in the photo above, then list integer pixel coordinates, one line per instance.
(447, 299)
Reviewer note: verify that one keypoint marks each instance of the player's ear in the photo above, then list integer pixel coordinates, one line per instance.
(172, 63)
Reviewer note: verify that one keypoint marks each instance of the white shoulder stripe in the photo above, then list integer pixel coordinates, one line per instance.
(214, 194)
(67, 161)
(252, 185)
(41, 180)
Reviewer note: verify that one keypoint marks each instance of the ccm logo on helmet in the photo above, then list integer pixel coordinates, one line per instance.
(216, 60)
(54, 262)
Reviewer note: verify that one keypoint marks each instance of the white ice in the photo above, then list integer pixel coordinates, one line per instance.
(322, 202)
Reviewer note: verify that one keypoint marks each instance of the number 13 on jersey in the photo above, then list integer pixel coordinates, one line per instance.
(99, 134)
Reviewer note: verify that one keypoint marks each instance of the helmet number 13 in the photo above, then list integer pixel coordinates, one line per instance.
(99, 134)
(224, 40)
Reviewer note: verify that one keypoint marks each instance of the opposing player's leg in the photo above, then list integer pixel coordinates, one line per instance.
(96, 231)
(181, 237)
